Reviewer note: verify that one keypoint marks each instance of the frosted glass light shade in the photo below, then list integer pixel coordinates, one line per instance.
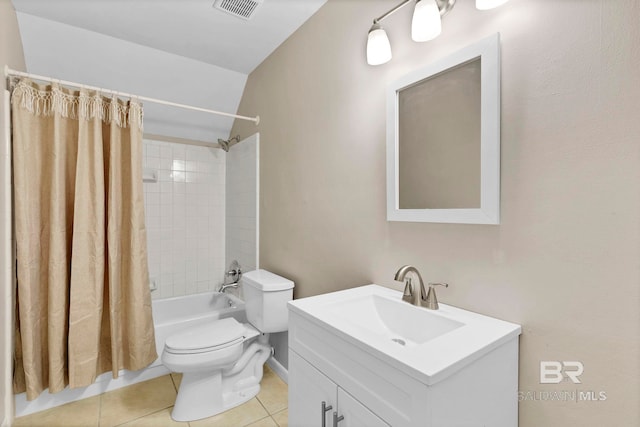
(426, 24)
(489, 4)
(378, 46)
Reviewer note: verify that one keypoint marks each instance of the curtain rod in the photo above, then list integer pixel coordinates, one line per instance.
(9, 72)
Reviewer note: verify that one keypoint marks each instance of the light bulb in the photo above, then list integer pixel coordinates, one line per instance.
(426, 24)
(378, 46)
(489, 4)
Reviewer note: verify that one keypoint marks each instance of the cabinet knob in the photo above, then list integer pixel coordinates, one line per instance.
(337, 419)
(325, 409)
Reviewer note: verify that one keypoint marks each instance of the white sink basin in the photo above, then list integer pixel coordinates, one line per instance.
(429, 344)
(393, 319)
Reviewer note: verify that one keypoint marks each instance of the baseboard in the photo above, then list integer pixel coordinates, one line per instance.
(279, 370)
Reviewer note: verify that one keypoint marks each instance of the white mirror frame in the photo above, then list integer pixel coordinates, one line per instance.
(489, 212)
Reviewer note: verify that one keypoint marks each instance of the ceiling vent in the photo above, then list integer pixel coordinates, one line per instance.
(241, 8)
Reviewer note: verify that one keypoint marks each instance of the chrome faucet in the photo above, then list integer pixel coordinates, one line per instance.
(431, 302)
(408, 294)
(427, 300)
(226, 286)
(231, 277)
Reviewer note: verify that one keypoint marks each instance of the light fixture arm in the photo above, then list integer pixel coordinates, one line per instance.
(391, 12)
(445, 7)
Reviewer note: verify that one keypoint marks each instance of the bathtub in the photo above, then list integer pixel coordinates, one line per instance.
(169, 316)
(173, 314)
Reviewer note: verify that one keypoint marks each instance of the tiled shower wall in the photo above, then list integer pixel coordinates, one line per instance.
(242, 203)
(185, 217)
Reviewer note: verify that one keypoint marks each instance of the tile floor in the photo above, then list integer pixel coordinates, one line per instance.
(149, 404)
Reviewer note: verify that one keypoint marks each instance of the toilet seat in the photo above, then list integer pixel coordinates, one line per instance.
(211, 336)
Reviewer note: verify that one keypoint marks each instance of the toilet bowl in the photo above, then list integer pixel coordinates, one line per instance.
(221, 361)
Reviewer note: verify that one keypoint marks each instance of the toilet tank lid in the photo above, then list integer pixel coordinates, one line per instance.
(266, 281)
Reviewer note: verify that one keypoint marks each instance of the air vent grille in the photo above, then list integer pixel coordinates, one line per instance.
(241, 8)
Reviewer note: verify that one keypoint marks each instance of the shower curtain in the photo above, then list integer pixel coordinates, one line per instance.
(83, 300)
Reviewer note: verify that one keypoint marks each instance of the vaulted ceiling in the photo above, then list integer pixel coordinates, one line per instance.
(184, 51)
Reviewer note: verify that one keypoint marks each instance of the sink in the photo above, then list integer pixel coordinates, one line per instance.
(392, 319)
(377, 360)
(428, 344)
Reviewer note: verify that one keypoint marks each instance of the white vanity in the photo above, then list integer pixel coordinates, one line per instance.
(379, 361)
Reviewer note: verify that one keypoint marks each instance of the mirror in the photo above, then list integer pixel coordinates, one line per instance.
(443, 139)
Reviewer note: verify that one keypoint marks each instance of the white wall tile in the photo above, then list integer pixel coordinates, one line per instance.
(183, 216)
(165, 151)
(152, 150)
(240, 203)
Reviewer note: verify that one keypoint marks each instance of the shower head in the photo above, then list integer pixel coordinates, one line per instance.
(224, 144)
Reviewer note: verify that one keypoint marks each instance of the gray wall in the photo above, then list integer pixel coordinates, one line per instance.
(564, 262)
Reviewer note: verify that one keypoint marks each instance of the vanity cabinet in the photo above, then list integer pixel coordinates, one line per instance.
(319, 402)
(372, 385)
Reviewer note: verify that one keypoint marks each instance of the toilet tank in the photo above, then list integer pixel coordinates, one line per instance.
(266, 296)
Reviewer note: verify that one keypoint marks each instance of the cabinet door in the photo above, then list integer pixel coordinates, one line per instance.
(355, 413)
(308, 388)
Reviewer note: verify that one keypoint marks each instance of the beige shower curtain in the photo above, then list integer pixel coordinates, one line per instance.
(83, 300)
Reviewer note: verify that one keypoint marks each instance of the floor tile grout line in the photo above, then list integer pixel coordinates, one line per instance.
(281, 410)
(262, 404)
(262, 388)
(99, 410)
(173, 381)
(142, 416)
(259, 419)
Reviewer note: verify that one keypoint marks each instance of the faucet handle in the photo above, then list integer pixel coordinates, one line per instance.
(407, 295)
(446, 285)
(430, 301)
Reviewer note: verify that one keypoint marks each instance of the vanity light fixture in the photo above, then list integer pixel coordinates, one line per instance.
(426, 25)
(378, 46)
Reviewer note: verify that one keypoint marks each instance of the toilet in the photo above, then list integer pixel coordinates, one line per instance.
(221, 361)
